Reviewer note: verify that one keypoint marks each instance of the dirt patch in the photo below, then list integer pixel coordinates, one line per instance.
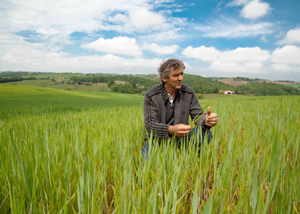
(286, 83)
(121, 82)
(233, 83)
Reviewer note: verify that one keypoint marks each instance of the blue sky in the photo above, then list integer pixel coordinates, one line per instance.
(251, 38)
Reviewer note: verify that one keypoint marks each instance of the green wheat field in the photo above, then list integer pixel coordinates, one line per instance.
(80, 152)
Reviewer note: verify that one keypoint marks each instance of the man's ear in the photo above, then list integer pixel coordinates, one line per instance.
(164, 79)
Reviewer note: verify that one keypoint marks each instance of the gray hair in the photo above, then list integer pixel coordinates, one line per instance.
(164, 69)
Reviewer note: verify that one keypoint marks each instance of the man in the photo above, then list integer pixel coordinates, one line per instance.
(167, 106)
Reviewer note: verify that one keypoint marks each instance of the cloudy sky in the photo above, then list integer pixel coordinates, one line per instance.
(251, 38)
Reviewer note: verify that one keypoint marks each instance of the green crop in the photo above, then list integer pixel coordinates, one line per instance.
(89, 161)
(21, 97)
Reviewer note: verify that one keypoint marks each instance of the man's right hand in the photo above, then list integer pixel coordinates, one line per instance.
(180, 130)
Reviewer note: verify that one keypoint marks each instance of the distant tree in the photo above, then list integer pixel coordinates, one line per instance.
(221, 92)
(200, 96)
(11, 79)
(109, 83)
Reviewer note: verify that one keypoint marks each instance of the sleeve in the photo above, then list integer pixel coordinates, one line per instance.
(197, 111)
(151, 119)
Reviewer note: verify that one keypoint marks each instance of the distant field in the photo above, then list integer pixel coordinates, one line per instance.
(31, 82)
(230, 81)
(286, 83)
(216, 98)
(209, 96)
(59, 86)
(224, 97)
(99, 87)
(54, 75)
(294, 85)
(18, 97)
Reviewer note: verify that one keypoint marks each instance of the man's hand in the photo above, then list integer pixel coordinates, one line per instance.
(211, 119)
(180, 130)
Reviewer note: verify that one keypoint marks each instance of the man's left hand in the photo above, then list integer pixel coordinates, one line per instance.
(211, 119)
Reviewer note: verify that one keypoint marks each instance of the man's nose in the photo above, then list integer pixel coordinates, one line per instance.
(180, 77)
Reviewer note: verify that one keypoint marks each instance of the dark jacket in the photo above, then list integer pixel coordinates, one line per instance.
(186, 104)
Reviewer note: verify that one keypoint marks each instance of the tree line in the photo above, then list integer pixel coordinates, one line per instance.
(262, 89)
(15, 79)
(246, 79)
(141, 83)
(117, 83)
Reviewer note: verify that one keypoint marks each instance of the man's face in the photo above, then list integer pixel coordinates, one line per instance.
(175, 79)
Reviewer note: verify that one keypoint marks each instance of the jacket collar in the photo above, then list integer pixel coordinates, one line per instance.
(164, 94)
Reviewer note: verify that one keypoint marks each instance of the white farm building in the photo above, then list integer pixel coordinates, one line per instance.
(229, 92)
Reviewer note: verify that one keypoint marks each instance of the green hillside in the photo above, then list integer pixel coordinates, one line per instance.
(294, 85)
(260, 89)
(204, 85)
(138, 84)
(15, 97)
(32, 82)
(98, 87)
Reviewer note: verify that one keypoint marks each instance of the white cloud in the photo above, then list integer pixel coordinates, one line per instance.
(16, 54)
(203, 53)
(251, 9)
(237, 3)
(67, 16)
(141, 20)
(229, 28)
(254, 54)
(117, 45)
(264, 39)
(286, 58)
(56, 20)
(292, 37)
(57, 62)
(255, 9)
(243, 60)
(25, 56)
(119, 18)
(13, 45)
(155, 48)
(47, 31)
(289, 54)
(168, 35)
(163, 1)
(144, 19)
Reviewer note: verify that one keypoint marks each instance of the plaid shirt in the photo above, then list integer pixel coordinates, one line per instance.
(155, 111)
